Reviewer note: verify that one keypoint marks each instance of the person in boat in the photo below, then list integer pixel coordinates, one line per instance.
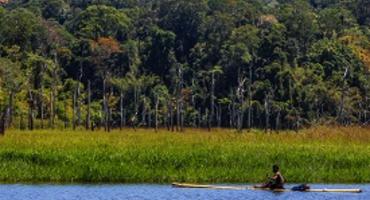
(274, 182)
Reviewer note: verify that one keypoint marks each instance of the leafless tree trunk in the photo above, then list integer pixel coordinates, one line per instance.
(9, 116)
(136, 100)
(317, 106)
(267, 112)
(42, 106)
(105, 105)
(219, 116)
(250, 81)
(150, 118)
(233, 113)
(88, 116)
(51, 109)
(143, 113)
(366, 102)
(177, 113)
(171, 118)
(109, 109)
(168, 117)
(156, 114)
(179, 99)
(30, 110)
(166, 120)
(52, 98)
(206, 120)
(343, 92)
(193, 104)
(211, 117)
(5, 116)
(21, 122)
(230, 114)
(278, 116)
(182, 115)
(124, 117)
(74, 109)
(65, 114)
(3, 121)
(121, 111)
(341, 107)
(291, 99)
(240, 95)
(109, 119)
(78, 105)
(78, 95)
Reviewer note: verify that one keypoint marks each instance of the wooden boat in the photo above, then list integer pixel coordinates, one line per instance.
(225, 187)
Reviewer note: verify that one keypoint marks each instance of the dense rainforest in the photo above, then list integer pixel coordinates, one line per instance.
(269, 64)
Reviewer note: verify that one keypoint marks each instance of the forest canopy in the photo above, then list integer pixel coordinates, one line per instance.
(272, 64)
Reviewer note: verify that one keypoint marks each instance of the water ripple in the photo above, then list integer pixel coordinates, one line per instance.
(162, 192)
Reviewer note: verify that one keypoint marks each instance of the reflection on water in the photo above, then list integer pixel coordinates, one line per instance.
(161, 192)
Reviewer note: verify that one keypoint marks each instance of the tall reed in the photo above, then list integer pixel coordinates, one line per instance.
(321, 154)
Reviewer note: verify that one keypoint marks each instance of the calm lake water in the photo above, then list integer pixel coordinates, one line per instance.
(161, 192)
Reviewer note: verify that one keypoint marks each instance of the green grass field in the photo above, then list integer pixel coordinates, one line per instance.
(316, 155)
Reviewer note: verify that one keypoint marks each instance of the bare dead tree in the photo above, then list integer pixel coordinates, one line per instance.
(9, 113)
(5, 116)
(122, 114)
(53, 92)
(179, 97)
(213, 85)
(88, 116)
(250, 96)
(267, 111)
(105, 104)
(156, 113)
(171, 117)
(30, 110)
(143, 112)
(65, 114)
(124, 117)
(3, 121)
(42, 105)
(240, 91)
(343, 94)
(74, 100)
(109, 123)
(78, 96)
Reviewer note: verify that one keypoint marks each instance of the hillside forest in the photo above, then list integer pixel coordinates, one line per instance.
(241, 64)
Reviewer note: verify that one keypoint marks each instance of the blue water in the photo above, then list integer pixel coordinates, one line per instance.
(162, 192)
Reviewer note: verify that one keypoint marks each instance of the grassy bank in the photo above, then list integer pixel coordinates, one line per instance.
(322, 154)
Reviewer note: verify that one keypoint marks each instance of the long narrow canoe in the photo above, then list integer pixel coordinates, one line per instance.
(224, 187)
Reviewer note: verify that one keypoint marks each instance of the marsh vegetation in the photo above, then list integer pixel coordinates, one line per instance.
(320, 155)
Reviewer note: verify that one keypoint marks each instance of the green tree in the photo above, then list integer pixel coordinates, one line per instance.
(161, 98)
(56, 9)
(11, 81)
(301, 23)
(341, 68)
(100, 21)
(333, 21)
(183, 17)
(21, 27)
